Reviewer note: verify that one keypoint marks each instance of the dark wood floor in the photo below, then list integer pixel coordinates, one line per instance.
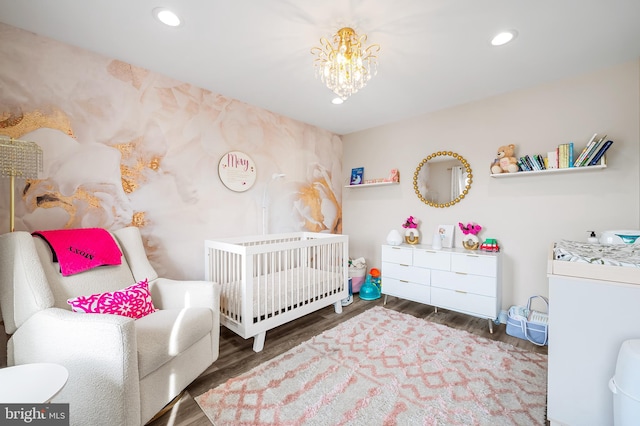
(237, 356)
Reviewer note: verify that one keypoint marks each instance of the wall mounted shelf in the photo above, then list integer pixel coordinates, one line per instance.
(371, 184)
(600, 166)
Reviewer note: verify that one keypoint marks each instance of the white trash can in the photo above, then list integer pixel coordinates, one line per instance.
(625, 384)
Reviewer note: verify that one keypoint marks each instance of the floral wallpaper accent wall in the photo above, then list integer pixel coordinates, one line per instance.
(126, 146)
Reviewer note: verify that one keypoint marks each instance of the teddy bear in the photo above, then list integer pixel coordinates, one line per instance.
(506, 161)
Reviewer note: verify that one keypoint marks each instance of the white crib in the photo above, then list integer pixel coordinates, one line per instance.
(269, 280)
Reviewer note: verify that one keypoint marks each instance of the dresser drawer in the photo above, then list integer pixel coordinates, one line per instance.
(474, 264)
(432, 259)
(406, 290)
(467, 303)
(406, 273)
(395, 254)
(475, 284)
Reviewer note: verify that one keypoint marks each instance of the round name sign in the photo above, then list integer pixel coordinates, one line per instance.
(237, 171)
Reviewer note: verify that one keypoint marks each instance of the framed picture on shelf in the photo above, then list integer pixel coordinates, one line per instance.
(446, 235)
(356, 176)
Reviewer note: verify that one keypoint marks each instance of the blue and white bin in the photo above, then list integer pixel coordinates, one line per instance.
(625, 385)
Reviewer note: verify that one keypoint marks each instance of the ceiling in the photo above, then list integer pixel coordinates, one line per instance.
(434, 53)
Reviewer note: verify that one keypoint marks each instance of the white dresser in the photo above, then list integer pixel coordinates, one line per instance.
(466, 281)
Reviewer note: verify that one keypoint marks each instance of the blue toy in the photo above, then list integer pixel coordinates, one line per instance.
(369, 291)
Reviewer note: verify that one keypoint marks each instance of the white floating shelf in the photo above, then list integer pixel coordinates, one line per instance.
(600, 166)
(372, 184)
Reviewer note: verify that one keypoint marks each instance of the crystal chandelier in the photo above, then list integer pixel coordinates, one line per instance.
(344, 66)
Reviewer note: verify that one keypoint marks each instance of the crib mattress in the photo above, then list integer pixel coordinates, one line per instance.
(627, 255)
(282, 291)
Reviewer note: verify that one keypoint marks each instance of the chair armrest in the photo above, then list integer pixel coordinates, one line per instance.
(98, 350)
(172, 294)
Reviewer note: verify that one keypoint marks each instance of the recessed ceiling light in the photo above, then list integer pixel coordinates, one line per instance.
(337, 101)
(166, 16)
(504, 37)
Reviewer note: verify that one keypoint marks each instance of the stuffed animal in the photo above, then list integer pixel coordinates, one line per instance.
(506, 161)
(394, 176)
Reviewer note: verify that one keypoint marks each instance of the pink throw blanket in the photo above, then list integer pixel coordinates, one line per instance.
(78, 250)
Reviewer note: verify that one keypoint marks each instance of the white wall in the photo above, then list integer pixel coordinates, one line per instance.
(526, 213)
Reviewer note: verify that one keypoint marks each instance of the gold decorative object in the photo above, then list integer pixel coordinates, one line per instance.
(345, 66)
(18, 159)
(412, 236)
(442, 155)
(471, 242)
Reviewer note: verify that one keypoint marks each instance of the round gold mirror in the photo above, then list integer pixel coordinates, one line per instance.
(442, 179)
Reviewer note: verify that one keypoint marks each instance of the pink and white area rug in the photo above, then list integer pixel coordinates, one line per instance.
(387, 368)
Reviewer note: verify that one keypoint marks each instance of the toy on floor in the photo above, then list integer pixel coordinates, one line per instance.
(369, 291)
(375, 278)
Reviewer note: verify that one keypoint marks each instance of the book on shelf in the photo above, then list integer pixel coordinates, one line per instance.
(529, 163)
(537, 162)
(594, 151)
(586, 150)
(600, 153)
(552, 159)
(532, 162)
(563, 157)
(357, 176)
(560, 155)
(522, 164)
(570, 154)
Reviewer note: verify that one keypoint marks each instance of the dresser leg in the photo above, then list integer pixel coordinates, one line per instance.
(436, 309)
(490, 326)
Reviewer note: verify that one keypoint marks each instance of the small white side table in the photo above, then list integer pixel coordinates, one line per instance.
(34, 383)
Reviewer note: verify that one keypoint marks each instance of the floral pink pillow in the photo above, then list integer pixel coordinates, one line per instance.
(133, 301)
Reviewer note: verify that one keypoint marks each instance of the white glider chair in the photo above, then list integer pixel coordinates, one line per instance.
(122, 371)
